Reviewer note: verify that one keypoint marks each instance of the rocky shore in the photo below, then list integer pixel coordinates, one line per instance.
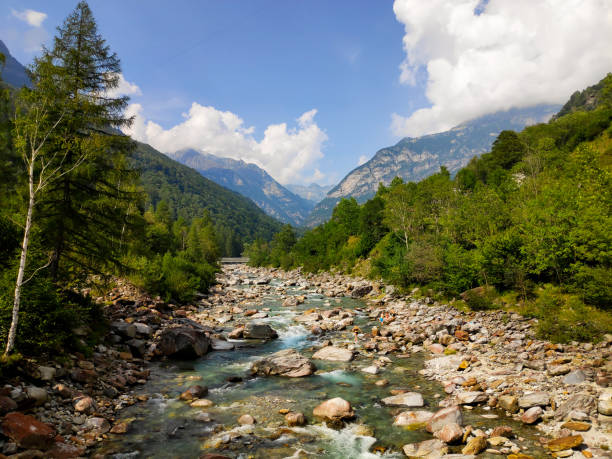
(490, 361)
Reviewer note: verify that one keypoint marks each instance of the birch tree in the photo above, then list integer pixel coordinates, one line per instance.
(36, 121)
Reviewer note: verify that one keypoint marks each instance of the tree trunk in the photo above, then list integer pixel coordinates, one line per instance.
(10, 343)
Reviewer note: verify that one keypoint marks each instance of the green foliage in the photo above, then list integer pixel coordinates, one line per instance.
(188, 195)
(563, 318)
(535, 210)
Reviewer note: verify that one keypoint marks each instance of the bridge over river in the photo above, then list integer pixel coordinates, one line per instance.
(234, 260)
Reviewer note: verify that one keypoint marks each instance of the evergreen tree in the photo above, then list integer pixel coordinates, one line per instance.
(88, 212)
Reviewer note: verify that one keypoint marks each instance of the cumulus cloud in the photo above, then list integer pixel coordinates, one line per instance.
(480, 57)
(289, 154)
(125, 88)
(362, 160)
(33, 18)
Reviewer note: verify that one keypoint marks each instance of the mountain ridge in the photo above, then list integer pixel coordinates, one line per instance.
(250, 181)
(13, 72)
(415, 158)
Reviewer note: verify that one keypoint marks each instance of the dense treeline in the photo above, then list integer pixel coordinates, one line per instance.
(72, 202)
(530, 221)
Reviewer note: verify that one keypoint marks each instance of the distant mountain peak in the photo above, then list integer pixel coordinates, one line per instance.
(13, 73)
(251, 181)
(413, 159)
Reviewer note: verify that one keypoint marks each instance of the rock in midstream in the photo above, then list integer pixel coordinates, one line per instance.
(288, 362)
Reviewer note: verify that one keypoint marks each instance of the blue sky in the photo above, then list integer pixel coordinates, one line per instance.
(242, 78)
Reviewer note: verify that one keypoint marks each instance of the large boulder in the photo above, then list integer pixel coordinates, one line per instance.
(409, 399)
(183, 343)
(288, 362)
(334, 409)
(335, 354)
(361, 290)
(258, 331)
(604, 404)
(449, 415)
(28, 432)
(534, 399)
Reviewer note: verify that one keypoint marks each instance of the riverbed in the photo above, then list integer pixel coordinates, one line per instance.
(166, 427)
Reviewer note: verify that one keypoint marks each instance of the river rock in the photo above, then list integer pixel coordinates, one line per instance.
(577, 426)
(84, 404)
(46, 373)
(532, 415)
(221, 345)
(578, 402)
(194, 392)
(361, 290)
(409, 399)
(98, 425)
(371, 370)
(334, 354)
(449, 415)
(7, 405)
(259, 331)
(236, 333)
(472, 397)
(604, 404)
(183, 343)
(450, 434)
(65, 450)
(475, 445)
(201, 403)
(534, 399)
(246, 420)
(429, 449)
(446, 363)
(288, 362)
(508, 403)
(559, 370)
(37, 395)
(295, 419)
(334, 409)
(561, 444)
(574, 377)
(27, 431)
(412, 419)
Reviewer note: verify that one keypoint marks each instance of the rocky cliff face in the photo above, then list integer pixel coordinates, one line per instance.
(413, 159)
(250, 181)
(313, 192)
(13, 72)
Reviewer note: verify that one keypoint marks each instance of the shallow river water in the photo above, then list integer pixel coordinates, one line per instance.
(164, 427)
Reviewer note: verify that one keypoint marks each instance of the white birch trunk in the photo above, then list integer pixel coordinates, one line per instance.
(22, 262)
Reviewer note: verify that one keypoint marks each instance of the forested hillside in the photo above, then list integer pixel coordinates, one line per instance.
(78, 198)
(188, 194)
(527, 223)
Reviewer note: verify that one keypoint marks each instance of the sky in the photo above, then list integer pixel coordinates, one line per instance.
(310, 89)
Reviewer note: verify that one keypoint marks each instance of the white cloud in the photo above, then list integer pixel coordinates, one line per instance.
(289, 154)
(362, 160)
(33, 18)
(125, 88)
(513, 54)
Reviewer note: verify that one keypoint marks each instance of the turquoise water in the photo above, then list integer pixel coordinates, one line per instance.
(164, 427)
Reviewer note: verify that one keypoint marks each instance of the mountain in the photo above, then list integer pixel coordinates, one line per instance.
(415, 158)
(251, 181)
(587, 99)
(13, 72)
(188, 193)
(313, 192)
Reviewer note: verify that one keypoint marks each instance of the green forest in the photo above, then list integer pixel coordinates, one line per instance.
(82, 203)
(525, 226)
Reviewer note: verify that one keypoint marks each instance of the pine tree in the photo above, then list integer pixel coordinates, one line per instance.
(87, 213)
